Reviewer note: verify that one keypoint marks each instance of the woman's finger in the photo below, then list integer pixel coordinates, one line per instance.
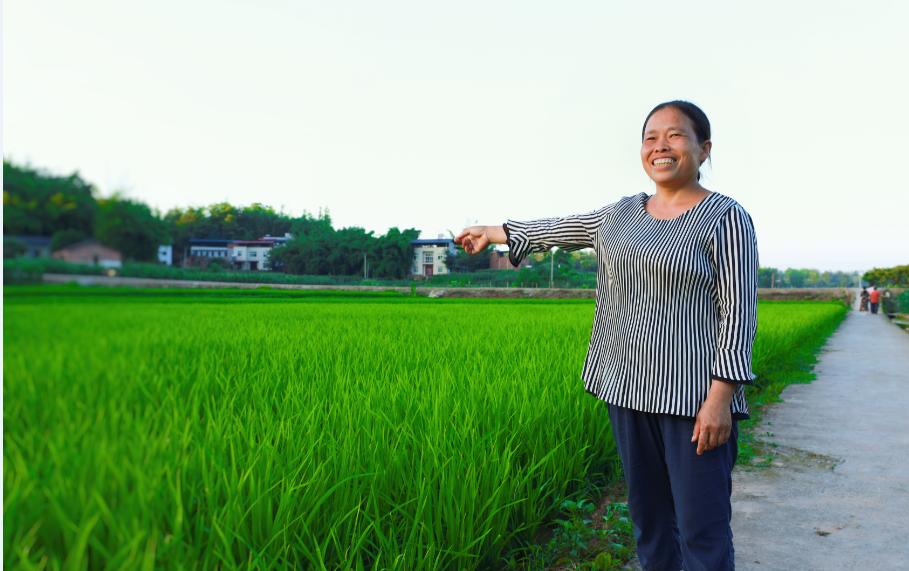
(703, 442)
(714, 438)
(724, 436)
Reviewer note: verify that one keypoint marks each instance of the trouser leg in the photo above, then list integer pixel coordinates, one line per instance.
(701, 490)
(640, 447)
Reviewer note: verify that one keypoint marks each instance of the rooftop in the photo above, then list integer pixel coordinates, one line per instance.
(209, 242)
(432, 242)
(252, 243)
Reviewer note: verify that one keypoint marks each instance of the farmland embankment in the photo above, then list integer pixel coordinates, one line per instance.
(833, 493)
(779, 294)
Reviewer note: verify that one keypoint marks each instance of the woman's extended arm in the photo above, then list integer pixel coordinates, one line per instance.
(570, 232)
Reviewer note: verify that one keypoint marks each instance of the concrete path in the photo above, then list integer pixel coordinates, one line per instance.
(837, 493)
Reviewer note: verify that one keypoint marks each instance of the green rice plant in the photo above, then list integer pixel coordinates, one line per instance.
(274, 429)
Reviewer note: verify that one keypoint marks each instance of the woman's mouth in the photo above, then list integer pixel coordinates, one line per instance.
(663, 162)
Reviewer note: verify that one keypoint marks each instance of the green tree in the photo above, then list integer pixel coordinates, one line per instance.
(563, 272)
(310, 251)
(584, 261)
(36, 202)
(897, 276)
(130, 227)
(13, 248)
(767, 277)
(350, 246)
(461, 261)
(394, 253)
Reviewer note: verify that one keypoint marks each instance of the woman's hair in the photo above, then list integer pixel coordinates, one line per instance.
(688, 109)
(693, 112)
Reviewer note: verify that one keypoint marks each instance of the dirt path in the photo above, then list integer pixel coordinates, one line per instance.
(837, 493)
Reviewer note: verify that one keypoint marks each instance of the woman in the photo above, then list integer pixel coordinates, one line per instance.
(670, 350)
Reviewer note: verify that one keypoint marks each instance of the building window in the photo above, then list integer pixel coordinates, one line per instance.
(252, 253)
(427, 257)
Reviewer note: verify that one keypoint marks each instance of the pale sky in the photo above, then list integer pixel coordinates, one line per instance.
(435, 115)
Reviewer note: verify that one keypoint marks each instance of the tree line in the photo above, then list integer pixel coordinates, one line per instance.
(68, 209)
(897, 276)
(804, 277)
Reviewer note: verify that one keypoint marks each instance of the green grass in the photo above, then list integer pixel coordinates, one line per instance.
(273, 429)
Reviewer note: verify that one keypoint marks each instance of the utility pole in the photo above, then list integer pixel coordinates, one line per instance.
(551, 264)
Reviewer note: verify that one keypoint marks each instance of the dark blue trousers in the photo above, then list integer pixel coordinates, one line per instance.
(679, 501)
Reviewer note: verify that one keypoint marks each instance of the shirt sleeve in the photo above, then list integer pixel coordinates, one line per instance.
(570, 233)
(735, 259)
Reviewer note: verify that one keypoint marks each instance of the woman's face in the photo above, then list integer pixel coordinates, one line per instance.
(670, 151)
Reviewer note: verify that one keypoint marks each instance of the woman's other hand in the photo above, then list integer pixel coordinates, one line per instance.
(476, 238)
(713, 423)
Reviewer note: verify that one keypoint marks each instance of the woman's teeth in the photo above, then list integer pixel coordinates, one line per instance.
(662, 162)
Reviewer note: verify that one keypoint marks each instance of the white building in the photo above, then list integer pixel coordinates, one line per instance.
(429, 256)
(250, 254)
(166, 254)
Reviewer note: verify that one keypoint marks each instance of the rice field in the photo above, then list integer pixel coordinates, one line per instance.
(274, 429)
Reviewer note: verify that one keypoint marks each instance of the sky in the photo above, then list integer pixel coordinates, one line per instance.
(437, 115)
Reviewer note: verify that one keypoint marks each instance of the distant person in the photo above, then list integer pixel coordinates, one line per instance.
(875, 298)
(863, 304)
(670, 350)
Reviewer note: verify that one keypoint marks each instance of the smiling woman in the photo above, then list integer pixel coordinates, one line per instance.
(675, 143)
(670, 351)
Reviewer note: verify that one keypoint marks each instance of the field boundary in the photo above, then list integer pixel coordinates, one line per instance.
(817, 294)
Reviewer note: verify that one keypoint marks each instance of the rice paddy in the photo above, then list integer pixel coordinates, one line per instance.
(271, 429)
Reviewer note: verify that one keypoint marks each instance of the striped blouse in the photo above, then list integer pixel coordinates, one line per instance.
(676, 300)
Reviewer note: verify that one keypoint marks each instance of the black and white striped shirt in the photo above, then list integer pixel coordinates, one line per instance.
(676, 301)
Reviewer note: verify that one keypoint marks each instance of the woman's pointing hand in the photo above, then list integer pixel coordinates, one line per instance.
(474, 239)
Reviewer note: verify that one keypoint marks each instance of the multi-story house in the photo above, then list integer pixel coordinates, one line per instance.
(429, 256)
(250, 254)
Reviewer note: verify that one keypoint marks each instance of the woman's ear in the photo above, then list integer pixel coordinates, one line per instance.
(705, 150)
